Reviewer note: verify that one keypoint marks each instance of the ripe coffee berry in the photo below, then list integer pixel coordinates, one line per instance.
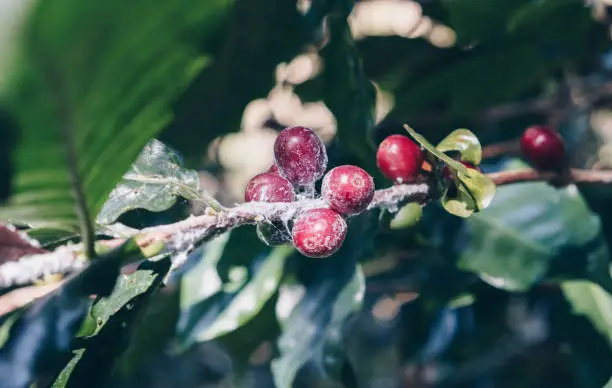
(319, 232)
(269, 188)
(348, 189)
(399, 158)
(543, 148)
(300, 155)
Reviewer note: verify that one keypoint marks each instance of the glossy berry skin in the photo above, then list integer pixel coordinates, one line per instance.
(543, 148)
(399, 158)
(300, 155)
(348, 189)
(269, 188)
(319, 232)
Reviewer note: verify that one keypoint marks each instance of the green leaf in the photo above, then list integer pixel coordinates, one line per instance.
(476, 21)
(153, 182)
(465, 142)
(407, 217)
(348, 93)
(39, 341)
(312, 316)
(475, 191)
(590, 300)
(117, 317)
(531, 230)
(97, 96)
(211, 307)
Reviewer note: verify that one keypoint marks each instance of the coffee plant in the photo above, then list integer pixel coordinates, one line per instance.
(233, 193)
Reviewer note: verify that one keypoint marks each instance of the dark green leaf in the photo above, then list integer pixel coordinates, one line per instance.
(211, 308)
(117, 317)
(153, 182)
(476, 21)
(348, 93)
(39, 340)
(529, 229)
(108, 88)
(312, 315)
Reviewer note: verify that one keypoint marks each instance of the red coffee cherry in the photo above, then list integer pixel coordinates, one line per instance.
(300, 155)
(348, 189)
(399, 158)
(269, 188)
(318, 232)
(543, 147)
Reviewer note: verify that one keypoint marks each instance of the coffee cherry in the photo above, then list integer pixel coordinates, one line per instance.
(269, 188)
(319, 232)
(348, 189)
(543, 148)
(399, 158)
(273, 234)
(300, 155)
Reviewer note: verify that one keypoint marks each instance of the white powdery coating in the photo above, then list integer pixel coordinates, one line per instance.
(35, 267)
(319, 233)
(300, 155)
(348, 189)
(391, 198)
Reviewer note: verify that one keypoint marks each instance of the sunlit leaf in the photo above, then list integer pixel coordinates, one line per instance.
(312, 315)
(407, 217)
(475, 191)
(212, 307)
(465, 142)
(478, 185)
(529, 231)
(153, 182)
(590, 300)
(92, 99)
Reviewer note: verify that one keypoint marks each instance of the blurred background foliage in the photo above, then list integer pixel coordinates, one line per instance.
(512, 297)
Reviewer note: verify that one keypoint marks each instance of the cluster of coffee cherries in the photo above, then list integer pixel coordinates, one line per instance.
(300, 161)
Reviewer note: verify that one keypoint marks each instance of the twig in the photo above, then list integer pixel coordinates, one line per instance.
(578, 176)
(500, 149)
(180, 238)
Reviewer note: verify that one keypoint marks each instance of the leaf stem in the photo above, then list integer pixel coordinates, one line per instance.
(63, 104)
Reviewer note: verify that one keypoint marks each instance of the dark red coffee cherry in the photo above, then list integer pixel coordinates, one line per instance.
(543, 148)
(269, 188)
(348, 189)
(399, 158)
(300, 155)
(319, 232)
